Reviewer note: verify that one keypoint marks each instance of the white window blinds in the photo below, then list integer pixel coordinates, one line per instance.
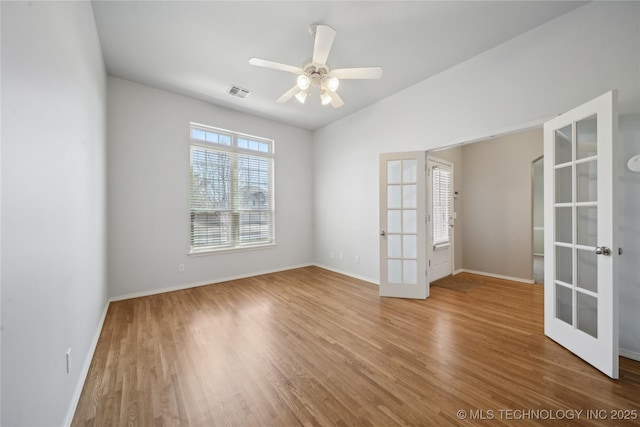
(441, 206)
(231, 198)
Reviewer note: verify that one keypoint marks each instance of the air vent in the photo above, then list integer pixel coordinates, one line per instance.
(238, 92)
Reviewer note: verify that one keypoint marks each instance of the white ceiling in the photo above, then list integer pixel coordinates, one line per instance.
(201, 48)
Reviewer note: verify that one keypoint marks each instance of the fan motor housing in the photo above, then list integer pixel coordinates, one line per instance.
(316, 73)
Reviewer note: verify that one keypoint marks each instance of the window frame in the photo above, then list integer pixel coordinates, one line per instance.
(235, 151)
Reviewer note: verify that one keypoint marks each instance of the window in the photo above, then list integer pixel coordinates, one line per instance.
(441, 206)
(231, 199)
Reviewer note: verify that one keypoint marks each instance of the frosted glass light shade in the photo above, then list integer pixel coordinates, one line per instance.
(302, 96)
(303, 82)
(332, 84)
(325, 97)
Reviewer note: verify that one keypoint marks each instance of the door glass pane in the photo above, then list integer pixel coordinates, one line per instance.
(394, 172)
(587, 220)
(587, 270)
(409, 171)
(563, 225)
(563, 145)
(587, 314)
(564, 304)
(394, 196)
(409, 246)
(409, 221)
(394, 224)
(563, 185)
(564, 264)
(410, 271)
(394, 271)
(587, 180)
(394, 246)
(586, 137)
(409, 199)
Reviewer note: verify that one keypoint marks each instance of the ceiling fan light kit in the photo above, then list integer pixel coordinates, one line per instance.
(302, 96)
(316, 73)
(303, 82)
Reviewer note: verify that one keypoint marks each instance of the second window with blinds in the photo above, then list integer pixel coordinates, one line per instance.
(441, 206)
(231, 198)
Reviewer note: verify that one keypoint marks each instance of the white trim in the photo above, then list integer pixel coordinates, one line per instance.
(498, 276)
(203, 283)
(85, 368)
(344, 273)
(634, 355)
(233, 249)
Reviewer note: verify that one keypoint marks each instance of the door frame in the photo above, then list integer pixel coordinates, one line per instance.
(533, 209)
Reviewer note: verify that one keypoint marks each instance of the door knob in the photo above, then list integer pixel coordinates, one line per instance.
(603, 250)
(382, 233)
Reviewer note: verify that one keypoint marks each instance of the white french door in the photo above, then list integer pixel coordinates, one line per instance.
(402, 226)
(580, 286)
(439, 218)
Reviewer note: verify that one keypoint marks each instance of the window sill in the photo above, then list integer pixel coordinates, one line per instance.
(232, 250)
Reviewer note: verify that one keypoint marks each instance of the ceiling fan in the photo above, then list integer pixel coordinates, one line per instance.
(316, 73)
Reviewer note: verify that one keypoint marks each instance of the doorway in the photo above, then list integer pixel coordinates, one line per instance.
(537, 173)
(440, 218)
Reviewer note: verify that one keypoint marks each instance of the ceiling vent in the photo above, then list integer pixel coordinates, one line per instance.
(238, 92)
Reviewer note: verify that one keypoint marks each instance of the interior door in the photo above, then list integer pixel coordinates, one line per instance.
(439, 218)
(580, 287)
(402, 226)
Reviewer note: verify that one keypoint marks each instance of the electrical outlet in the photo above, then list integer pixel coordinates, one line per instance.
(357, 259)
(331, 254)
(181, 268)
(68, 356)
(340, 256)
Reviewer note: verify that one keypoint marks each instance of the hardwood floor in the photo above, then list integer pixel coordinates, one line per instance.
(312, 347)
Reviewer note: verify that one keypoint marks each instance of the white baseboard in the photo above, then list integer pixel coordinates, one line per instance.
(355, 276)
(85, 368)
(203, 283)
(629, 354)
(497, 276)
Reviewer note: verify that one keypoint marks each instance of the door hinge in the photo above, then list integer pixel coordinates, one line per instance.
(429, 263)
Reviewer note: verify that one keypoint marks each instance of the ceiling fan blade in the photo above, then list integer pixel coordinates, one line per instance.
(336, 101)
(275, 65)
(358, 73)
(288, 95)
(324, 39)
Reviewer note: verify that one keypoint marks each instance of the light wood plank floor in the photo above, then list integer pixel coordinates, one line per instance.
(312, 347)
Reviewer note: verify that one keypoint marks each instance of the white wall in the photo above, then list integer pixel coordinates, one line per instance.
(148, 202)
(53, 205)
(629, 198)
(540, 74)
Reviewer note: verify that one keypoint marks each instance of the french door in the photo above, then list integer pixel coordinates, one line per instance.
(403, 233)
(580, 286)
